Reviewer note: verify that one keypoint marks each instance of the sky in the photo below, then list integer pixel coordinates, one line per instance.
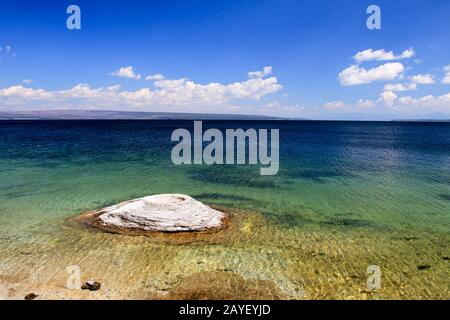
(311, 59)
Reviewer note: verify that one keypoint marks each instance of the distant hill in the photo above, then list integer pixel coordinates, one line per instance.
(421, 120)
(122, 115)
(136, 115)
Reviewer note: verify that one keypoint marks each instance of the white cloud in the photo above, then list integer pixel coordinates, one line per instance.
(365, 104)
(420, 105)
(25, 93)
(168, 95)
(437, 103)
(276, 108)
(355, 75)
(7, 51)
(27, 81)
(334, 105)
(381, 55)
(394, 87)
(388, 98)
(423, 79)
(390, 103)
(446, 79)
(126, 72)
(155, 77)
(260, 74)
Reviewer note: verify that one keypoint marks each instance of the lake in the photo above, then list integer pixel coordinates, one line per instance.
(347, 195)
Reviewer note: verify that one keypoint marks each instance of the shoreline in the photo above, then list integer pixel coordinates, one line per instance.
(321, 264)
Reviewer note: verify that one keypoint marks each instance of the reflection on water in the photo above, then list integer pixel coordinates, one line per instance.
(348, 195)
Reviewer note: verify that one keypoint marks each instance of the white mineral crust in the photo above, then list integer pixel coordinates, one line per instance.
(163, 212)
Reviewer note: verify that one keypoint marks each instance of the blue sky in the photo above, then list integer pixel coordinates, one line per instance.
(203, 51)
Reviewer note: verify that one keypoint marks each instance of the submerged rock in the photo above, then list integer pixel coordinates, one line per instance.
(31, 296)
(424, 267)
(158, 213)
(91, 286)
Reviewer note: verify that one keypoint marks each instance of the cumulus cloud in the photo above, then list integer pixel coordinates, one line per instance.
(388, 98)
(355, 75)
(398, 87)
(181, 94)
(365, 104)
(27, 81)
(423, 79)
(446, 79)
(126, 72)
(7, 51)
(22, 92)
(389, 102)
(155, 77)
(381, 55)
(334, 105)
(276, 108)
(438, 103)
(260, 74)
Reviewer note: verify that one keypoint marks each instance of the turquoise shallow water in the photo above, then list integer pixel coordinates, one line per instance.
(348, 194)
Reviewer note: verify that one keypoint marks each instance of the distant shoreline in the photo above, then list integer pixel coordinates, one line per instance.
(109, 115)
(216, 119)
(124, 115)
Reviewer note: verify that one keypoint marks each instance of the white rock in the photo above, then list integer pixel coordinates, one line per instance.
(164, 212)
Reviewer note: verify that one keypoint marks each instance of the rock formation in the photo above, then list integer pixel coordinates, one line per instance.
(168, 213)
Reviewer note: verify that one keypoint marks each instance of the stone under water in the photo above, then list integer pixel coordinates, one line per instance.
(158, 213)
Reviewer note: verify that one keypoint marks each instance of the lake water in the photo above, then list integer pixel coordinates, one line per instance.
(347, 195)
